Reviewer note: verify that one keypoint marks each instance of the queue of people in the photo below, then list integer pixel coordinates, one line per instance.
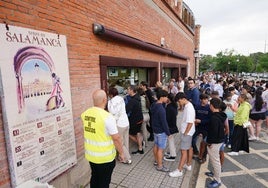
(218, 111)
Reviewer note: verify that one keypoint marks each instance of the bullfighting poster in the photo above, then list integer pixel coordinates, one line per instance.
(36, 104)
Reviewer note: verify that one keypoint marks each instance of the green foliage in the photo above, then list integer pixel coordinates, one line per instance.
(228, 61)
(263, 62)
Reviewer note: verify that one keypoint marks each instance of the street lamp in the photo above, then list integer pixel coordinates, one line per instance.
(237, 61)
(196, 55)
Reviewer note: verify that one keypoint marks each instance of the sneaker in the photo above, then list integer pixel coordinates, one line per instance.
(232, 153)
(213, 184)
(166, 154)
(242, 152)
(209, 174)
(175, 173)
(257, 138)
(229, 146)
(251, 138)
(169, 158)
(189, 168)
(143, 144)
(127, 162)
(162, 169)
(137, 152)
(155, 163)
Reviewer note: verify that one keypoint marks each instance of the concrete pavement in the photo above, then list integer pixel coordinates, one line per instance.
(142, 173)
(245, 170)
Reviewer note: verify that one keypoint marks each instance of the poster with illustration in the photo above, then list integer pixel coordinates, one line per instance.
(36, 104)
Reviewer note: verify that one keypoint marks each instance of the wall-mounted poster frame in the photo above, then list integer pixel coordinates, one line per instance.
(36, 103)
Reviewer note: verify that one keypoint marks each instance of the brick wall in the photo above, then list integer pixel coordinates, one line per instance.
(73, 18)
(4, 173)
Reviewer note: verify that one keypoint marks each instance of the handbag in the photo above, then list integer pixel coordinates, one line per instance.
(246, 124)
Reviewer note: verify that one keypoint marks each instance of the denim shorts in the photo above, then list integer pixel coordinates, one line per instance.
(222, 147)
(160, 140)
(266, 113)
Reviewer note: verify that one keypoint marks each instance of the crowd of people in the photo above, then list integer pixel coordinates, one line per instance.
(223, 110)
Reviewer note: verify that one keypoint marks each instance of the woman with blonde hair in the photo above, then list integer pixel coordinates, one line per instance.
(240, 134)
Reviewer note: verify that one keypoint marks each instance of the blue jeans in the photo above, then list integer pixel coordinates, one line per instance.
(160, 140)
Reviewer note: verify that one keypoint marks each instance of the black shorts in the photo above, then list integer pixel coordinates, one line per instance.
(258, 116)
(135, 129)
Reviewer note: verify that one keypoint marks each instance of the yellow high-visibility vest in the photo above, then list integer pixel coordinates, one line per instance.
(99, 147)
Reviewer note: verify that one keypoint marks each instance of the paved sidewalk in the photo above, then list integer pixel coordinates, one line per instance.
(142, 173)
(245, 170)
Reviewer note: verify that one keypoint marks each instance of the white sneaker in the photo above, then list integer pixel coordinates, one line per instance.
(232, 153)
(166, 154)
(252, 138)
(257, 138)
(175, 173)
(143, 144)
(189, 168)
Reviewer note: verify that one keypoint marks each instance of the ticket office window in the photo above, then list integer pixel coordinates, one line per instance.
(166, 75)
(122, 77)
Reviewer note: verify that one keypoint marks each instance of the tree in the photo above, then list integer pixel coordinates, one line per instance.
(229, 61)
(205, 63)
(260, 61)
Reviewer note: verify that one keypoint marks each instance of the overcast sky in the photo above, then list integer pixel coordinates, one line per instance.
(241, 25)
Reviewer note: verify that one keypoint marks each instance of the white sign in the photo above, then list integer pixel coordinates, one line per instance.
(36, 103)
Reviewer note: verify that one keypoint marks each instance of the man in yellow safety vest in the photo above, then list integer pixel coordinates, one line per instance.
(101, 140)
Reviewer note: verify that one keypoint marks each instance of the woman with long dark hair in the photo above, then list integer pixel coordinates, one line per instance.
(257, 115)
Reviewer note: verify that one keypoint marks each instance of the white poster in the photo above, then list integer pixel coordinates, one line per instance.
(36, 103)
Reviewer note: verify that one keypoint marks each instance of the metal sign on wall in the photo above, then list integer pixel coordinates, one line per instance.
(36, 103)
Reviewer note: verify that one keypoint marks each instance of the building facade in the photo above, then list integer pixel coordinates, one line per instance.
(118, 42)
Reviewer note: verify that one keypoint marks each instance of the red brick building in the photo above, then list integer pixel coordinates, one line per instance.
(122, 41)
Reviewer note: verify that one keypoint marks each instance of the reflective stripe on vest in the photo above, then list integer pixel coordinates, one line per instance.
(95, 143)
(99, 147)
(97, 154)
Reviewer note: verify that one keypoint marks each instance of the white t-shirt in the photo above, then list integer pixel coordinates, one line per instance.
(235, 98)
(116, 106)
(181, 86)
(188, 117)
(265, 97)
(110, 125)
(218, 87)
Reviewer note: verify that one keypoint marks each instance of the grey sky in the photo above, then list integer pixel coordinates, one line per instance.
(241, 25)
